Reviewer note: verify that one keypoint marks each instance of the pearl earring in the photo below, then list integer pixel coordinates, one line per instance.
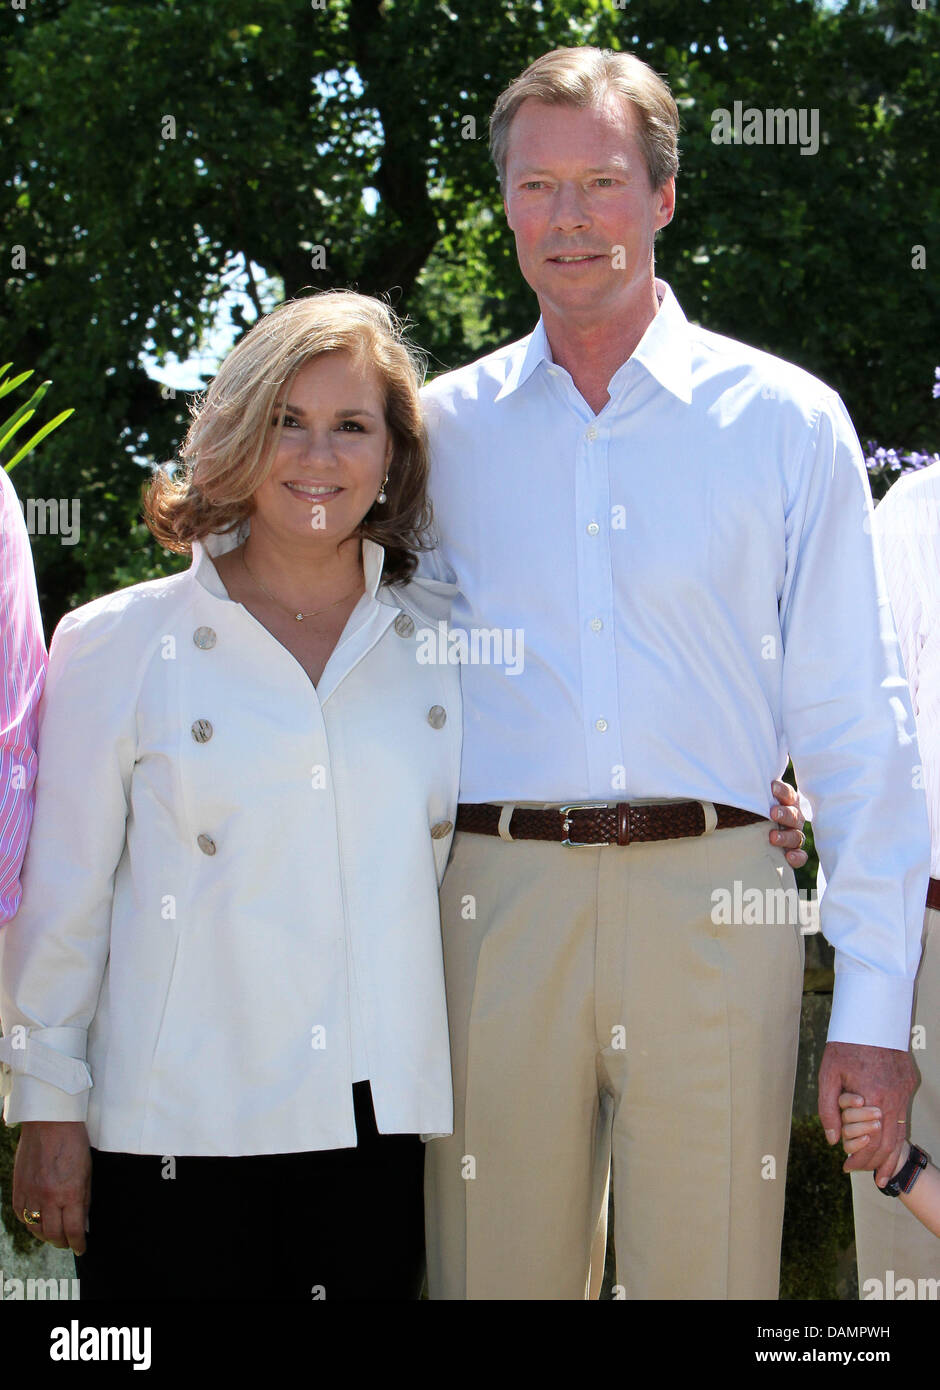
(382, 495)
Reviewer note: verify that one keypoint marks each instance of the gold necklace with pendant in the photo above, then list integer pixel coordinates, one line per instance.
(299, 616)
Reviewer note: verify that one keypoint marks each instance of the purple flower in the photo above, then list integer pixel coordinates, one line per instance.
(877, 459)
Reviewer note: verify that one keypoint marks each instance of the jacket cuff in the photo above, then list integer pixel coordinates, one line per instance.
(871, 1009)
(37, 1100)
(44, 1070)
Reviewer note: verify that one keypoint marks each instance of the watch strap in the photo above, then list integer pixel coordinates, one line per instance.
(905, 1178)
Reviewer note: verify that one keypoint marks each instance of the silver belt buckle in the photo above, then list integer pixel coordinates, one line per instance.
(566, 824)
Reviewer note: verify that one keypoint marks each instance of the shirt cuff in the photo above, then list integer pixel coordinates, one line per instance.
(871, 1009)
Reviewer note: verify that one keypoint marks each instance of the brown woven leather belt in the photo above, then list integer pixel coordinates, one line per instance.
(933, 893)
(591, 823)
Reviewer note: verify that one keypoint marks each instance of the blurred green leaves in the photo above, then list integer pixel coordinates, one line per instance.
(23, 414)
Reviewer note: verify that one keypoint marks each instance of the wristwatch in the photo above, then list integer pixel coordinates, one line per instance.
(905, 1178)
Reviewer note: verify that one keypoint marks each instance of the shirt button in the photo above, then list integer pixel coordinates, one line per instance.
(592, 528)
(202, 731)
(596, 624)
(552, 371)
(442, 829)
(437, 716)
(592, 432)
(206, 844)
(404, 625)
(600, 725)
(204, 638)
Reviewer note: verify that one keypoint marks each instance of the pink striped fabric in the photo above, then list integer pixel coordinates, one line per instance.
(23, 657)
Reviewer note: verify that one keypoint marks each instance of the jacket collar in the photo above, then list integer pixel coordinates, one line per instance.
(664, 351)
(206, 574)
(429, 600)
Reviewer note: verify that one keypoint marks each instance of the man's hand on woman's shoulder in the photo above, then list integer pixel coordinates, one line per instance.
(787, 833)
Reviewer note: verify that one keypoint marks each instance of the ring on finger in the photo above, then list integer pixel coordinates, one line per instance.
(31, 1216)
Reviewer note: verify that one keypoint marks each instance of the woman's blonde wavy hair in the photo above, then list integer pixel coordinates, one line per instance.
(229, 447)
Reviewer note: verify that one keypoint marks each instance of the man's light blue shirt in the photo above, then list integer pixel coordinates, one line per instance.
(690, 582)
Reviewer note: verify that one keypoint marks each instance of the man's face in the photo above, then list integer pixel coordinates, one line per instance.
(577, 185)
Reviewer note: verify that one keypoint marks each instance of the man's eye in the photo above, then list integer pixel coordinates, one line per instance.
(532, 183)
(607, 183)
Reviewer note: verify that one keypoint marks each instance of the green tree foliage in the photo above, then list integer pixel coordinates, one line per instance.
(818, 1222)
(156, 151)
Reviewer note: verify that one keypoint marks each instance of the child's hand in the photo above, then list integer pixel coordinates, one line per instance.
(859, 1121)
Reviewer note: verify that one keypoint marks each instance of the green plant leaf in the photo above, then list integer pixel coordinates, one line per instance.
(40, 435)
(7, 386)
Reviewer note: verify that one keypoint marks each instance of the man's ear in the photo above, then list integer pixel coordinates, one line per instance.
(667, 203)
(506, 211)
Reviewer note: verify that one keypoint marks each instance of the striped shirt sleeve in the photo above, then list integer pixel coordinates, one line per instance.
(23, 656)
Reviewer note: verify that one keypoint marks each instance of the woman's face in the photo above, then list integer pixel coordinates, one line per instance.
(332, 452)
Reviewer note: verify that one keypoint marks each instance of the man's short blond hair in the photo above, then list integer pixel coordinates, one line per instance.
(585, 77)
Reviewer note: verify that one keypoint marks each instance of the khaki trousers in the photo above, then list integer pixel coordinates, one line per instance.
(604, 1019)
(892, 1244)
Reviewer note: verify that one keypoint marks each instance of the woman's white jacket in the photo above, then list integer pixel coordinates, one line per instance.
(223, 861)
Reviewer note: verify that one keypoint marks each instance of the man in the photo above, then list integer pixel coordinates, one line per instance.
(676, 525)
(892, 1245)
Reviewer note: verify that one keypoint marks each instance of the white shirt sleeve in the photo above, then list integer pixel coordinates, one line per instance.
(894, 529)
(850, 730)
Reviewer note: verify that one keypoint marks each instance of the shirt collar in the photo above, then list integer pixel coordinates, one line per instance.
(218, 542)
(664, 351)
(524, 357)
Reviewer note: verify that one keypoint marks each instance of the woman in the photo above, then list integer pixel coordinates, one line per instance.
(225, 978)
